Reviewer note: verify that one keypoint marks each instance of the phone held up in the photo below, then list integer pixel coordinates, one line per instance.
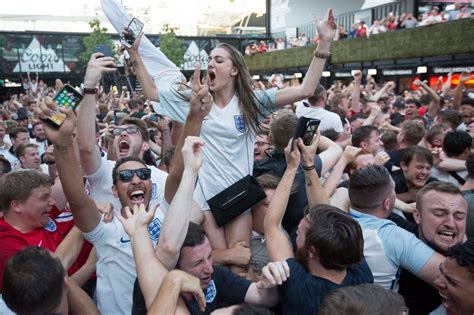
(68, 97)
(306, 128)
(134, 29)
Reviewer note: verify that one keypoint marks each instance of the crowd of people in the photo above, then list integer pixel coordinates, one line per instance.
(392, 22)
(138, 203)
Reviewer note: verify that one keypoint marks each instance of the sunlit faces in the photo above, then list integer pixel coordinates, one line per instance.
(30, 158)
(417, 173)
(259, 211)
(456, 286)
(221, 71)
(197, 260)
(36, 208)
(135, 191)
(128, 141)
(442, 221)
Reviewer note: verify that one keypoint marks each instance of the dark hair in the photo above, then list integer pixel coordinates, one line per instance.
(412, 132)
(425, 99)
(318, 93)
(15, 131)
(33, 282)
(470, 165)
(331, 134)
(439, 186)
(396, 119)
(5, 166)
(456, 143)
(140, 124)
(20, 150)
(24, 181)
(420, 153)
(467, 101)
(389, 139)
(463, 253)
(336, 237)
(249, 309)
(282, 127)
(122, 161)
(133, 103)
(195, 235)
(434, 131)
(167, 156)
(362, 134)
(363, 299)
(369, 187)
(413, 101)
(451, 117)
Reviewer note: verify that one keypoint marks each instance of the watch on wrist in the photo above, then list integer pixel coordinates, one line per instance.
(90, 90)
(321, 55)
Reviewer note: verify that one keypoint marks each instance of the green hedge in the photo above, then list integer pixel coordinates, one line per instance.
(440, 39)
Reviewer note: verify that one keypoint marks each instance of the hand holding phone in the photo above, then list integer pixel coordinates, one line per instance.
(133, 30)
(306, 128)
(67, 97)
(104, 50)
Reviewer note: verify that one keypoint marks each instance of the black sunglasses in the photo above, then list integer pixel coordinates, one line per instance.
(127, 175)
(130, 130)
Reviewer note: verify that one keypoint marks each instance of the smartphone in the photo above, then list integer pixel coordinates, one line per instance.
(67, 97)
(306, 129)
(104, 49)
(134, 29)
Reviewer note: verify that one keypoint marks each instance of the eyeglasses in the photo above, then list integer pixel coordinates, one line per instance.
(261, 143)
(127, 175)
(131, 130)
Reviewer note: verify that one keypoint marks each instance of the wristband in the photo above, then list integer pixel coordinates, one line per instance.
(90, 90)
(308, 168)
(321, 55)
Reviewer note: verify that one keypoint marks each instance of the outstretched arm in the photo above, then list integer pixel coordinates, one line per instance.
(356, 92)
(435, 99)
(326, 31)
(83, 208)
(88, 150)
(278, 245)
(149, 88)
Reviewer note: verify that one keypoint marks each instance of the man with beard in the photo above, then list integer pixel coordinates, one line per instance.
(440, 213)
(132, 186)
(130, 140)
(40, 137)
(329, 243)
(387, 247)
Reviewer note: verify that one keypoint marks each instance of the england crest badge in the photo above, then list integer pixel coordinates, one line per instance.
(239, 123)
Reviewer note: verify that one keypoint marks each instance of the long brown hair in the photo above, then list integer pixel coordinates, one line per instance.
(244, 89)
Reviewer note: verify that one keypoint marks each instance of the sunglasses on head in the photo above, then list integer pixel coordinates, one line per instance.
(130, 130)
(127, 175)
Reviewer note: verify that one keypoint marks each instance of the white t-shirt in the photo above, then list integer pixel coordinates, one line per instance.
(328, 119)
(228, 150)
(42, 146)
(116, 272)
(100, 184)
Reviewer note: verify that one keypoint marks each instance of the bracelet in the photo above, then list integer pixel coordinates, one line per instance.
(308, 168)
(322, 55)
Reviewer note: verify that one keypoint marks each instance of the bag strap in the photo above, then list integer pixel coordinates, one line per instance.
(456, 176)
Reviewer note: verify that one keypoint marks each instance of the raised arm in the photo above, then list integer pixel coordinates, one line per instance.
(82, 207)
(200, 104)
(278, 245)
(383, 90)
(326, 31)
(176, 223)
(88, 150)
(168, 299)
(314, 191)
(335, 177)
(356, 92)
(149, 88)
(330, 153)
(435, 99)
(458, 92)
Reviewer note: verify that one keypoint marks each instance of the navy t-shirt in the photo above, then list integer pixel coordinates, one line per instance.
(225, 289)
(303, 292)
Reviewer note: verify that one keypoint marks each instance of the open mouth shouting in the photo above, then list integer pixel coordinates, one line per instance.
(124, 147)
(137, 195)
(212, 76)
